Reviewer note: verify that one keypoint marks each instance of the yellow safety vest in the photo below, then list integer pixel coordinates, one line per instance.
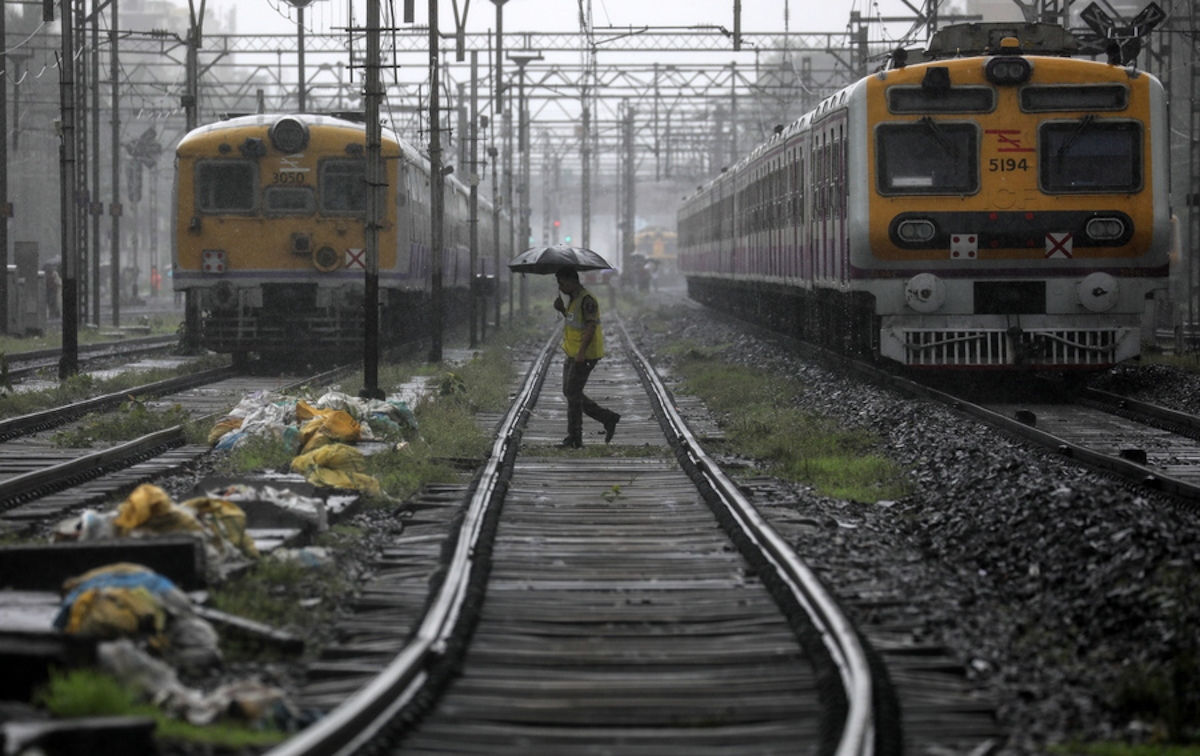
(573, 330)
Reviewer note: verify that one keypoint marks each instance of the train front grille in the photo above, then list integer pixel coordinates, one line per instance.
(995, 347)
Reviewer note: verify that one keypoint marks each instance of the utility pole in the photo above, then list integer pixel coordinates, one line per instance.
(302, 85)
(5, 208)
(585, 136)
(437, 192)
(375, 181)
(493, 153)
(192, 314)
(95, 206)
(629, 193)
(525, 231)
(474, 288)
(68, 364)
(508, 194)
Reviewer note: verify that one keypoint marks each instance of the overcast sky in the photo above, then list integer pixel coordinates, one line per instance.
(276, 16)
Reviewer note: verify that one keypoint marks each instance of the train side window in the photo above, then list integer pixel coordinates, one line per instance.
(1090, 156)
(226, 186)
(288, 200)
(927, 157)
(343, 186)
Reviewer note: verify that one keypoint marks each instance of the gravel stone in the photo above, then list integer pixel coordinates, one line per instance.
(1049, 582)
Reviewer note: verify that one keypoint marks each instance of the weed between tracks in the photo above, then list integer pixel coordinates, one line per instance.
(89, 693)
(84, 386)
(755, 409)
(132, 420)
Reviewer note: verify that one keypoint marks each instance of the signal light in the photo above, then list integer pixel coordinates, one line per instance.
(557, 224)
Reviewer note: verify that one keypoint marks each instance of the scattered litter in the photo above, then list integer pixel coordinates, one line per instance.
(126, 600)
(249, 699)
(309, 556)
(149, 512)
(309, 508)
(336, 466)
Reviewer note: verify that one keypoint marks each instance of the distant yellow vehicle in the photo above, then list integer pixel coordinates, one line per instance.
(269, 230)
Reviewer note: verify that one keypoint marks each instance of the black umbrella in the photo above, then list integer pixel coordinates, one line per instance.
(544, 260)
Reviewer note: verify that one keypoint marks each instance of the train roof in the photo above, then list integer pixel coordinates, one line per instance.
(971, 40)
(411, 154)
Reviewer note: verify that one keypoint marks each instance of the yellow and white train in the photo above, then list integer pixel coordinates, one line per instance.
(999, 205)
(270, 233)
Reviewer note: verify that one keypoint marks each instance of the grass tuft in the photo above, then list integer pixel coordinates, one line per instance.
(90, 693)
(756, 410)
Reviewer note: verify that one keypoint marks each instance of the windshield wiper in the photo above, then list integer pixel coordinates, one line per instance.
(1084, 124)
(940, 135)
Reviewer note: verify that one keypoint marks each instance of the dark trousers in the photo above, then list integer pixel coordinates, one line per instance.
(575, 377)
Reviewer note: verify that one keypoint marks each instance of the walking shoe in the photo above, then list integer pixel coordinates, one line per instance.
(611, 427)
(570, 443)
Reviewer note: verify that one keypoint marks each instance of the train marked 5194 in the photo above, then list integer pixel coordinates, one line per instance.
(959, 212)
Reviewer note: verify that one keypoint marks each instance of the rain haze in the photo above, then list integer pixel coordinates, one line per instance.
(277, 16)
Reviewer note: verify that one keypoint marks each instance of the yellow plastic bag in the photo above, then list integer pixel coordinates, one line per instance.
(149, 509)
(335, 425)
(336, 466)
(114, 601)
(222, 427)
(223, 519)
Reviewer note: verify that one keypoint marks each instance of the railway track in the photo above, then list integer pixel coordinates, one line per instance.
(630, 601)
(1150, 446)
(40, 481)
(26, 365)
(1147, 445)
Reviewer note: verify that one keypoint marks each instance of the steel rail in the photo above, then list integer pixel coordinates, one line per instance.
(124, 346)
(17, 489)
(1126, 468)
(34, 421)
(837, 632)
(368, 711)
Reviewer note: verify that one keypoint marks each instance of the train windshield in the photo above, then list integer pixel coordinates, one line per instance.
(225, 186)
(1090, 156)
(344, 186)
(927, 157)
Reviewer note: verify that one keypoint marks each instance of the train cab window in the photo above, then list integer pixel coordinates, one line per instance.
(225, 186)
(1040, 99)
(1090, 156)
(344, 186)
(953, 100)
(289, 200)
(927, 157)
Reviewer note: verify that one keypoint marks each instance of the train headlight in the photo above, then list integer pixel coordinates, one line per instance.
(289, 135)
(1008, 71)
(1098, 292)
(925, 293)
(1105, 229)
(326, 259)
(915, 231)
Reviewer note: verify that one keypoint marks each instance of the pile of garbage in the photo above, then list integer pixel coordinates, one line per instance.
(322, 435)
(150, 633)
(148, 512)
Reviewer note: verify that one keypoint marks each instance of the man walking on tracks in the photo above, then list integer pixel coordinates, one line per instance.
(583, 343)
